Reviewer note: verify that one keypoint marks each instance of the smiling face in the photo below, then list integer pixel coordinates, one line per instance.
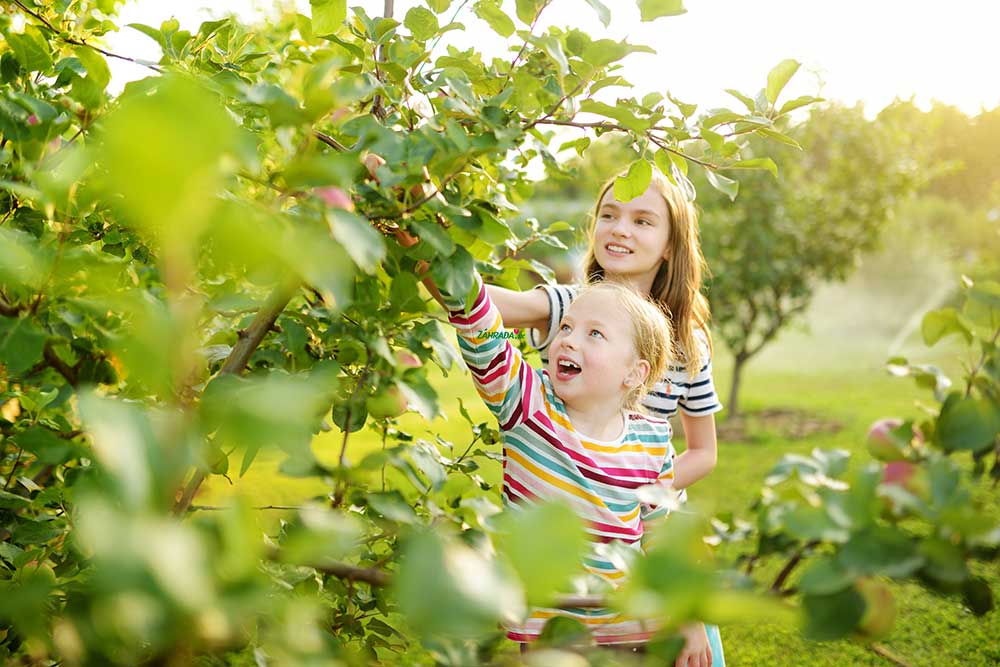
(593, 360)
(631, 238)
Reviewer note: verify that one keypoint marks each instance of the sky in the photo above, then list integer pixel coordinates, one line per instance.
(868, 51)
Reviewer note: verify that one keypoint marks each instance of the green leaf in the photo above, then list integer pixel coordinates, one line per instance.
(764, 163)
(625, 117)
(150, 32)
(554, 48)
(527, 10)
(967, 423)
(880, 550)
(392, 506)
(832, 616)
(21, 343)
(746, 100)
(940, 323)
(446, 589)
(421, 23)
(650, 10)
(327, 15)
(30, 49)
(545, 544)
(825, 577)
(603, 13)
(168, 182)
(363, 243)
(97, 67)
(798, 103)
(439, 5)
(489, 11)
(779, 137)
(635, 182)
(726, 186)
(779, 76)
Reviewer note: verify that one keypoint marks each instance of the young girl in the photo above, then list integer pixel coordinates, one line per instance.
(571, 431)
(650, 243)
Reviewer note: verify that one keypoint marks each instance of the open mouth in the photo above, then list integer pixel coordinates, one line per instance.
(617, 250)
(567, 370)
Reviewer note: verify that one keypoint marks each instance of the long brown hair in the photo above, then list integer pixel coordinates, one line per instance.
(677, 285)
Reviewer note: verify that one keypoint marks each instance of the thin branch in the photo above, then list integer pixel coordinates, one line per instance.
(219, 508)
(330, 141)
(13, 468)
(979, 366)
(793, 562)
(524, 45)
(61, 367)
(78, 42)
(10, 309)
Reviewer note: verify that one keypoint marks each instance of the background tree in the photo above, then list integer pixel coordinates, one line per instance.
(806, 224)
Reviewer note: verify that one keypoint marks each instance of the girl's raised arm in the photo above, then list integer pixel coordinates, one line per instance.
(521, 310)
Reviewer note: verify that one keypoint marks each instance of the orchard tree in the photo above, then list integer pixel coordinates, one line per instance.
(838, 182)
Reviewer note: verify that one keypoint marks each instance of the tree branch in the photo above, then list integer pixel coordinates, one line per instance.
(61, 367)
(884, 652)
(330, 141)
(237, 361)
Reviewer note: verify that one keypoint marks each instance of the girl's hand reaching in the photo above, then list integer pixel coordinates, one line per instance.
(372, 163)
(696, 652)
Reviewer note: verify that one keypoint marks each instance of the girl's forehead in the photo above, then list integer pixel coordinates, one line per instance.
(651, 200)
(602, 306)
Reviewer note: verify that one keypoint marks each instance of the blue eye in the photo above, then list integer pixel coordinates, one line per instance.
(595, 331)
(563, 327)
(643, 221)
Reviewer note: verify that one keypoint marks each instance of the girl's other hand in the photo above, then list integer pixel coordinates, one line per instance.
(696, 652)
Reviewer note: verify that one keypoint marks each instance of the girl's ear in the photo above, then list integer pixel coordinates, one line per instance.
(638, 374)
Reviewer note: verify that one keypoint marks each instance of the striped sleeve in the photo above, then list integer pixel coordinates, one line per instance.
(560, 296)
(503, 379)
(698, 392)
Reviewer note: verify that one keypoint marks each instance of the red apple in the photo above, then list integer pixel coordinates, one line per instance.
(334, 197)
(882, 444)
(406, 359)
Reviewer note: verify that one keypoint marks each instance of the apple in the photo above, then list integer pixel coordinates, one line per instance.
(389, 403)
(884, 445)
(334, 197)
(880, 608)
(406, 359)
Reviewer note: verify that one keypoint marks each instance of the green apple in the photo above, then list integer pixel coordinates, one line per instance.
(388, 403)
(880, 608)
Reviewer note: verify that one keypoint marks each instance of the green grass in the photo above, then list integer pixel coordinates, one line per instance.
(834, 373)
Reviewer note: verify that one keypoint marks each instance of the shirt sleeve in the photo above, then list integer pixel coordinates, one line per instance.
(560, 296)
(506, 383)
(699, 397)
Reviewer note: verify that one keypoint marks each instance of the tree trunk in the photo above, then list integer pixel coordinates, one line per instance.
(734, 389)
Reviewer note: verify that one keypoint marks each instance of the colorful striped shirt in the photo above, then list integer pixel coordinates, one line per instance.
(545, 458)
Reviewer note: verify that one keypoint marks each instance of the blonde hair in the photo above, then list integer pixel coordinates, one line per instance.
(677, 284)
(651, 334)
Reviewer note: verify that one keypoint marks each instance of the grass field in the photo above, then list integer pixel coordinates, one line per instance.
(833, 373)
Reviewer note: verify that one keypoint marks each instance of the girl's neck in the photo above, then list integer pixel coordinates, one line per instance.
(640, 283)
(599, 422)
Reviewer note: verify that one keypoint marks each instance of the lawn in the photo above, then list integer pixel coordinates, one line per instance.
(833, 373)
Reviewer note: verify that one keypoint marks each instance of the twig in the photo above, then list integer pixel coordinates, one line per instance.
(793, 562)
(13, 469)
(78, 42)
(330, 141)
(219, 508)
(884, 652)
(10, 309)
(524, 45)
(979, 366)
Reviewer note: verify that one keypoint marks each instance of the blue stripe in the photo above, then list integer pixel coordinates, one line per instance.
(705, 409)
(701, 397)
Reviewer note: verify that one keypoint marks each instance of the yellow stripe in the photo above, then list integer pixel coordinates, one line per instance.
(553, 480)
(631, 515)
(562, 421)
(614, 449)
